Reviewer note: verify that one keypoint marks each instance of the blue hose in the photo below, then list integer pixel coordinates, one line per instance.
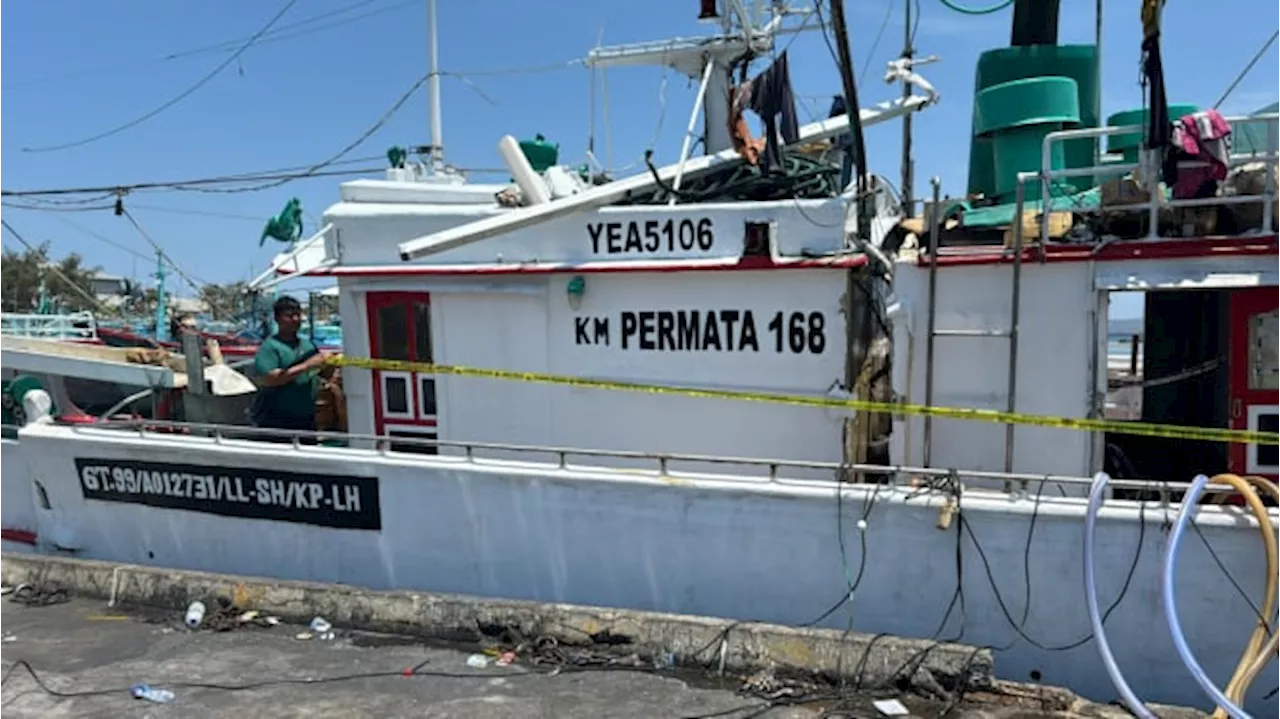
(1171, 605)
(1131, 700)
(977, 11)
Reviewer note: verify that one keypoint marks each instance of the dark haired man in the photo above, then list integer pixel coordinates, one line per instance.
(287, 366)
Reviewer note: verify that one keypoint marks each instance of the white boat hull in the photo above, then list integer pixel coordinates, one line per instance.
(726, 546)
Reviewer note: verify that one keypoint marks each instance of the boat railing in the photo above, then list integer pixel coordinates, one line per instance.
(772, 471)
(1149, 167)
(71, 326)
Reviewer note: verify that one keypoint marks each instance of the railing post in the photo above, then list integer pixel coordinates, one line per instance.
(1268, 189)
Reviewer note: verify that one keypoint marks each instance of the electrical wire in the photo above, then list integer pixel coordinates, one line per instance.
(177, 98)
(315, 170)
(278, 34)
(286, 174)
(1170, 600)
(1004, 608)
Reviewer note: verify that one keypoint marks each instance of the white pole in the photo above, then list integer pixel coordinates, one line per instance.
(433, 90)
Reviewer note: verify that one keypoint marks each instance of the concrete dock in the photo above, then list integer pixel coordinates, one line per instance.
(81, 633)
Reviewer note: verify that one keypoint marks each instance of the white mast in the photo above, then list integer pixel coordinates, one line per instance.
(433, 90)
(690, 56)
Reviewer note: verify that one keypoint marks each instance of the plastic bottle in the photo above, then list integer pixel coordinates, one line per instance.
(195, 614)
(144, 691)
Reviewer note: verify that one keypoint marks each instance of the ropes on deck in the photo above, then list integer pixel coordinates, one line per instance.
(802, 178)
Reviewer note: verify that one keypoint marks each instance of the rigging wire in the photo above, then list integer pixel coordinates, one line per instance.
(52, 267)
(160, 250)
(106, 240)
(875, 44)
(1247, 68)
(177, 98)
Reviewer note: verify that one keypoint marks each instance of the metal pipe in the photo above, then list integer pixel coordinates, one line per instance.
(1097, 79)
(433, 89)
(687, 145)
(935, 241)
(1012, 392)
(906, 186)
(1268, 189)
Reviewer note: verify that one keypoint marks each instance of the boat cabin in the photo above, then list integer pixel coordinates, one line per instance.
(715, 295)
(1010, 314)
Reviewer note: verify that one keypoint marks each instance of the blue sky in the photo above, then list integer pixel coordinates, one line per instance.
(77, 68)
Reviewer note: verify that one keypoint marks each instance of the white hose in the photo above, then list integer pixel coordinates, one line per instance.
(1131, 700)
(1170, 601)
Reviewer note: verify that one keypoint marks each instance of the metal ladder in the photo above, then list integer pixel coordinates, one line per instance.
(1011, 333)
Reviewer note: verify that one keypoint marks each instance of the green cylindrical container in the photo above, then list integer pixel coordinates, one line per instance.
(995, 67)
(1016, 116)
(540, 153)
(1129, 144)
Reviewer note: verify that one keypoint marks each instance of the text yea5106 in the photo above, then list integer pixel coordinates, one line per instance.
(653, 236)
(706, 331)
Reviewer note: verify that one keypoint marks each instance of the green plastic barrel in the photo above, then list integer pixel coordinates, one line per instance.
(1016, 116)
(1128, 144)
(540, 153)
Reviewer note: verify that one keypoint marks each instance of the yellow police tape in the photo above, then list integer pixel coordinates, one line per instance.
(1146, 429)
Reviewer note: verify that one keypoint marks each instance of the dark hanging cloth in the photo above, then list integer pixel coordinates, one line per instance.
(1159, 126)
(843, 143)
(772, 99)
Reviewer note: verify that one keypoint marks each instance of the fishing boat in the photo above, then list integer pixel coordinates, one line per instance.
(779, 396)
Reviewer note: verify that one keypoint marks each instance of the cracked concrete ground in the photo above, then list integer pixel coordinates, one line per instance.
(88, 655)
(93, 653)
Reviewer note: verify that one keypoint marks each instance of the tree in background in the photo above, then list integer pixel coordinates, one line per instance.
(226, 302)
(67, 283)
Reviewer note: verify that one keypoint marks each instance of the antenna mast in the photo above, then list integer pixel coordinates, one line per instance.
(433, 90)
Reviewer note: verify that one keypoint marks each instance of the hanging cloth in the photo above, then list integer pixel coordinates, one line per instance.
(771, 98)
(1159, 131)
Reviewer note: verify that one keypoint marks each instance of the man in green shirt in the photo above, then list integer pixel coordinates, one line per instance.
(287, 366)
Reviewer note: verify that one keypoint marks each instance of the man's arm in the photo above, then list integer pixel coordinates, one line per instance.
(272, 375)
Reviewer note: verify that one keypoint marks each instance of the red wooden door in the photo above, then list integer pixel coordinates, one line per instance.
(1252, 378)
(404, 402)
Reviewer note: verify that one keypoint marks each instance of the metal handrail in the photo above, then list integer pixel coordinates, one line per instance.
(56, 327)
(1016, 483)
(1267, 199)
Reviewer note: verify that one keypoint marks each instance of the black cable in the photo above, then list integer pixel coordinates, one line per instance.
(278, 34)
(314, 170)
(248, 686)
(115, 190)
(1257, 611)
(177, 98)
(1124, 589)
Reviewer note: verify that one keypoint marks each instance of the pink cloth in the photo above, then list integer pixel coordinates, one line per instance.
(1205, 137)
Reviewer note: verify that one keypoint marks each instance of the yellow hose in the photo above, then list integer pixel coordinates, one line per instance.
(1256, 655)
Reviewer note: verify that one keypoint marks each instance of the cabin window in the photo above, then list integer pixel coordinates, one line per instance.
(397, 391)
(393, 332)
(422, 336)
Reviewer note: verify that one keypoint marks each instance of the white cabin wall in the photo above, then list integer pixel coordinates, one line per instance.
(527, 324)
(357, 384)
(652, 422)
(493, 330)
(1054, 375)
(369, 234)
